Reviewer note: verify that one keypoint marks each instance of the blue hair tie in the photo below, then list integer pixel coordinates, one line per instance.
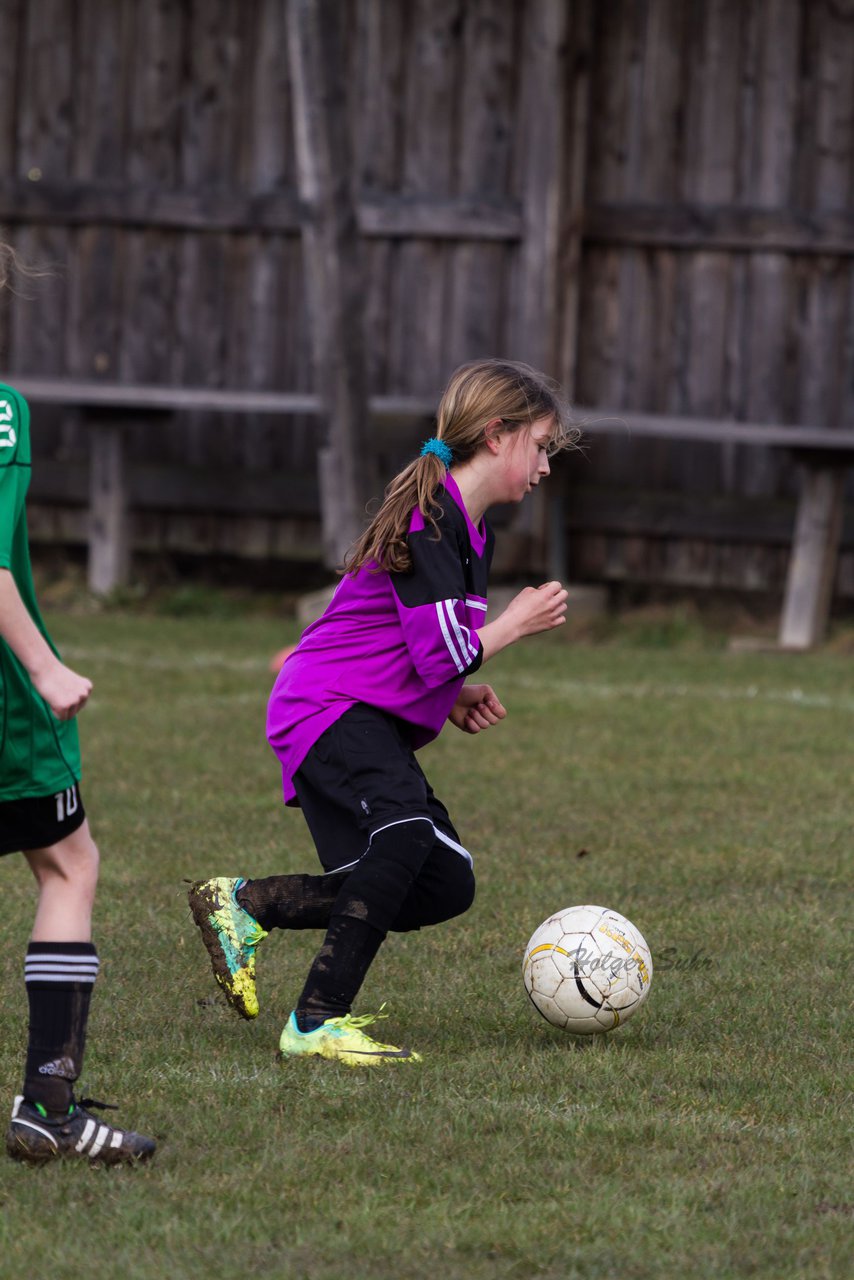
(442, 451)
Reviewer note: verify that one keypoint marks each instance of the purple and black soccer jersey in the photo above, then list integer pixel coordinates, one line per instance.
(403, 642)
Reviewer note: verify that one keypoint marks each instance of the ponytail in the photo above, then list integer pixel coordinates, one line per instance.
(385, 539)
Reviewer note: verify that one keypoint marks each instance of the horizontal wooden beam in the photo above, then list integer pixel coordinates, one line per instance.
(75, 203)
(720, 227)
(632, 424)
(125, 397)
(698, 227)
(594, 509)
(131, 398)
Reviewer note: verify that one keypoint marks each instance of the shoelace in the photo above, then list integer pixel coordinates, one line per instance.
(362, 1019)
(83, 1104)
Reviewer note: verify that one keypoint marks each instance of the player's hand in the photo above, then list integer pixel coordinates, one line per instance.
(538, 609)
(64, 691)
(476, 708)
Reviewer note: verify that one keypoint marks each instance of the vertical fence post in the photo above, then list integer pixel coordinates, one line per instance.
(812, 564)
(109, 543)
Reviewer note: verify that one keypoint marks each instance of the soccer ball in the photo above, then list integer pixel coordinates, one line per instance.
(587, 969)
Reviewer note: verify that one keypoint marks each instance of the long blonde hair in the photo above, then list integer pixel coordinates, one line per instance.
(8, 260)
(13, 267)
(477, 394)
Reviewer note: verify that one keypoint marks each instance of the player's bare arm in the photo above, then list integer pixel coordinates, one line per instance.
(64, 691)
(476, 708)
(532, 611)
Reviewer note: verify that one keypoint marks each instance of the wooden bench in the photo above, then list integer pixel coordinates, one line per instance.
(109, 409)
(824, 456)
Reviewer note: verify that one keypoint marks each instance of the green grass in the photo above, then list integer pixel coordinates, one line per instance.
(706, 795)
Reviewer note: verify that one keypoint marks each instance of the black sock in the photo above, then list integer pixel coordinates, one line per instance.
(291, 902)
(59, 978)
(338, 971)
(367, 905)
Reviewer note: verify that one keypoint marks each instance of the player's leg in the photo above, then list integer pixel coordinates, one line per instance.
(444, 889)
(234, 915)
(367, 780)
(367, 909)
(60, 970)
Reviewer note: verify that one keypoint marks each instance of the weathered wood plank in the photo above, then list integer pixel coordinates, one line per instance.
(708, 174)
(825, 177)
(151, 256)
(154, 487)
(10, 89)
(540, 175)
(632, 512)
(43, 144)
(614, 45)
(164, 533)
(392, 216)
(102, 66)
(478, 271)
(721, 228)
(266, 281)
(266, 161)
(685, 225)
(10, 18)
(333, 266)
(418, 348)
(658, 152)
(381, 35)
(579, 56)
(211, 104)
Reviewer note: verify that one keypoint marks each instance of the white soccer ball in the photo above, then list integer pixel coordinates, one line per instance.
(587, 969)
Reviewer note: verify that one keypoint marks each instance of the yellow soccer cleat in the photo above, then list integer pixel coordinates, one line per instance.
(342, 1039)
(231, 936)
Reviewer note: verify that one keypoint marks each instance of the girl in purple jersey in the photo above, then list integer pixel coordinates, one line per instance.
(374, 679)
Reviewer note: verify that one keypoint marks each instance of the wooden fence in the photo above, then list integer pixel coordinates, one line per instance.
(652, 199)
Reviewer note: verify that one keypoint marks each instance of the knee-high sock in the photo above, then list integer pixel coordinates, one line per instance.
(292, 902)
(59, 978)
(367, 905)
(338, 971)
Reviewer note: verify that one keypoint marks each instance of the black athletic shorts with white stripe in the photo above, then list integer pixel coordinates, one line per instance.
(361, 776)
(40, 821)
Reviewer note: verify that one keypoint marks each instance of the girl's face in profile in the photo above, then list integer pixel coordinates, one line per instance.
(525, 458)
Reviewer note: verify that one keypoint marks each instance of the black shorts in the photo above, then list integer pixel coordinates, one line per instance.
(360, 776)
(40, 822)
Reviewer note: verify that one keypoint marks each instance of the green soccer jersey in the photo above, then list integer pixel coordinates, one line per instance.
(39, 755)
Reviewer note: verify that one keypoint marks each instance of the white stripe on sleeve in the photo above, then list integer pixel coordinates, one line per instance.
(462, 633)
(443, 623)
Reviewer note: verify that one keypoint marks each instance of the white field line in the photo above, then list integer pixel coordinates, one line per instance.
(567, 688)
(696, 692)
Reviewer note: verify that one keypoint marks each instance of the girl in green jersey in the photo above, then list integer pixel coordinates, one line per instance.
(42, 816)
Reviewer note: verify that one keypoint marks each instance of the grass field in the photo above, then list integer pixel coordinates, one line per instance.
(708, 796)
